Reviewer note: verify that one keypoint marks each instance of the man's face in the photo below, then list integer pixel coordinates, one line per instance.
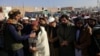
(79, 24)
(91, 22)
(26, 21)
(18, 17)
(42, 22)
(53, 24)
(35, 28)
(64, 20)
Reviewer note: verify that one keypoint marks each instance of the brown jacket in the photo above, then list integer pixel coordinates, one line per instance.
(84, 40)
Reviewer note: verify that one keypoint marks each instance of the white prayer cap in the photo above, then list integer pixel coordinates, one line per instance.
(45, 15)
(74, 17)
(25, 18)
(51, 19)
(33, 19)
(86, 17)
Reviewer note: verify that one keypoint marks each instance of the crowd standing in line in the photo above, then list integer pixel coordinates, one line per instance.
(49, 36)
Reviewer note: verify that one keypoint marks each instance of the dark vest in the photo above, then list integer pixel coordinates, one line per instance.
(9, 42)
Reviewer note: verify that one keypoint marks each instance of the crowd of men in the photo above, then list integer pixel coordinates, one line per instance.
(77, 35)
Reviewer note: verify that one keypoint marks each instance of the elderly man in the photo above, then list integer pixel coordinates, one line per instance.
(52, 37)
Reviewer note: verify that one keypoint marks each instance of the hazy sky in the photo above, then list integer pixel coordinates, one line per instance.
(49, 3)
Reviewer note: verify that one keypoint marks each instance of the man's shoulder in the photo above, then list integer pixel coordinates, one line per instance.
(96, 27)
(42, 28)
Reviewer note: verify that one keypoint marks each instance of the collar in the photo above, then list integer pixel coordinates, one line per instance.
(12, 21)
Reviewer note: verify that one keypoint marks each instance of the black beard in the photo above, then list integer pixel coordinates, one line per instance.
(64, 24)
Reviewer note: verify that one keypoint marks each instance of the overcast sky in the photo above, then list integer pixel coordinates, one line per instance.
(49, 3)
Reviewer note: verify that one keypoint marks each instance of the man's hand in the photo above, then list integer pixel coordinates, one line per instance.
(32, 35)
(62, 44)
(51, 40)
(98, 54)
(66, 43)
(33, 49)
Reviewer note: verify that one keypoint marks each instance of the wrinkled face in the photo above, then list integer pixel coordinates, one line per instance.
(53, 24)
(79, 24)
(64, 20)
(18, 17)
